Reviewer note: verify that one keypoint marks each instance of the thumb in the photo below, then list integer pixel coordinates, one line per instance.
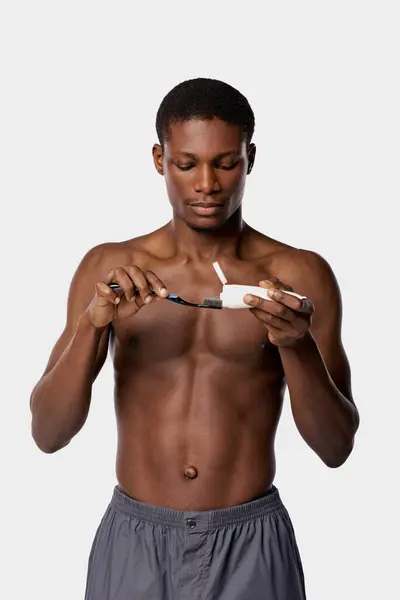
(266, 283)
(105, 295)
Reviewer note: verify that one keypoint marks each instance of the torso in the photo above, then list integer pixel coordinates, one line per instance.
(197, 389)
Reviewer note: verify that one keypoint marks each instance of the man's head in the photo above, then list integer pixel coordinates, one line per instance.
(205, 128)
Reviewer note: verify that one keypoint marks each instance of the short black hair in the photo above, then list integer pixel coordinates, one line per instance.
(204, 98)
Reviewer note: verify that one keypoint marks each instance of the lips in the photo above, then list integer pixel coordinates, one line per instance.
(205, 209)
(206, 204)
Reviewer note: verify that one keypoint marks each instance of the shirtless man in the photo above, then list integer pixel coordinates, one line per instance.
(198, 393)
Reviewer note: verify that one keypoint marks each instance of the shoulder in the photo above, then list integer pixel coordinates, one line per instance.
(99, 260)
(306, 266)
(308, 273)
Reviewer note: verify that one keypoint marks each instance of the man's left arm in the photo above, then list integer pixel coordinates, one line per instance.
(316, 367)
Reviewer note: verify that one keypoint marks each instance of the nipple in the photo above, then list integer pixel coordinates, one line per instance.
(190, 472)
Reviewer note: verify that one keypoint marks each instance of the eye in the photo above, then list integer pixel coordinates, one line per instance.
(184, 167)
(227, 167)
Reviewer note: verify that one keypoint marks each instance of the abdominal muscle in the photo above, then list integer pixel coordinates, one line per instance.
(196, 435)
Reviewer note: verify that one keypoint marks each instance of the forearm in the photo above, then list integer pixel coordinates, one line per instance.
(60, 401)
(326, 419)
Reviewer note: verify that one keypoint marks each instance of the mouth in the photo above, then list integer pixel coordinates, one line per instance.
(206, 208)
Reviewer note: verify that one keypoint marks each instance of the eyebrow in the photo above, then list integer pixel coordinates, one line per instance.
(218, 156)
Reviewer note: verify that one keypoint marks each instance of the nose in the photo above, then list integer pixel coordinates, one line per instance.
(206, 182)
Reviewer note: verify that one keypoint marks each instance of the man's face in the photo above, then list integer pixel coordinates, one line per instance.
(205, 163)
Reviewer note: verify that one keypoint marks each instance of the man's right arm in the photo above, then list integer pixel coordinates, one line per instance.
(60, 401)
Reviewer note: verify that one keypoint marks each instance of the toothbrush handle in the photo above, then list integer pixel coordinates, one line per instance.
(116, 287)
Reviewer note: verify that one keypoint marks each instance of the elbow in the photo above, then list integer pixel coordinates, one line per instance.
(338, 458)
(44, 442)
(48, 448)
(336, 462)
(44, 445)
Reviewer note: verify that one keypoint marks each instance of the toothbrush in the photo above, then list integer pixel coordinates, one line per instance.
(171, 298)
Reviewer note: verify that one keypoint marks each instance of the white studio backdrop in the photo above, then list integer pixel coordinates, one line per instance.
(81, 84)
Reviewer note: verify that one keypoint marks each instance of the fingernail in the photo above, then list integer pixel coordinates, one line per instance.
(248, 299)
(148, 299)
(275, 294)
(117, 300)
(164, 292)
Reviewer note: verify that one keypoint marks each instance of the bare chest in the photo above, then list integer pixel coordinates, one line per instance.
(164, 331)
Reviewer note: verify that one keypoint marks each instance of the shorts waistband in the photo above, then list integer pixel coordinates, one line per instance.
(200, 520)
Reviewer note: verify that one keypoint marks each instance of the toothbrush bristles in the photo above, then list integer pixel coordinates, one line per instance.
(213, 302)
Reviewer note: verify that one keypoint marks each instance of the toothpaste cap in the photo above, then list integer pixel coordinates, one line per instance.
(220, 273)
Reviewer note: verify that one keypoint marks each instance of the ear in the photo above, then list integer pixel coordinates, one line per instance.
(251, 156)
(158, 159)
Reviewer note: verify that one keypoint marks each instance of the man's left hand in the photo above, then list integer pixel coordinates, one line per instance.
(286, 318)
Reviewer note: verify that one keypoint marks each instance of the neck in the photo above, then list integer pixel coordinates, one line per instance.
(208, 244)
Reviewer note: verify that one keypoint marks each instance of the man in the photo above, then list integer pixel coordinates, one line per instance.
(198, 393)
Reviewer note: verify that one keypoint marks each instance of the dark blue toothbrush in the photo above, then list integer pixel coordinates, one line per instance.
(172, 298)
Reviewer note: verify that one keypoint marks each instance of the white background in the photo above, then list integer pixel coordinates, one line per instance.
(81, 84)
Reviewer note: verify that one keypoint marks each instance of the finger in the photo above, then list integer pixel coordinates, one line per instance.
(276, 309)
(270, 320)
(126, 284)
(156, 284)
(288, 300)
(105, 294)
(304, 305)
(140, 283)
(274, 282)
(274, 335)
(307, 307)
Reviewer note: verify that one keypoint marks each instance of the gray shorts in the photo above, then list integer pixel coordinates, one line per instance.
(245, 552)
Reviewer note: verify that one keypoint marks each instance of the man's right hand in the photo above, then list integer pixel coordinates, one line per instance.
(136, 291)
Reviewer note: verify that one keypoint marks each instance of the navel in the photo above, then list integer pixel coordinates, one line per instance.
(190, 472)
